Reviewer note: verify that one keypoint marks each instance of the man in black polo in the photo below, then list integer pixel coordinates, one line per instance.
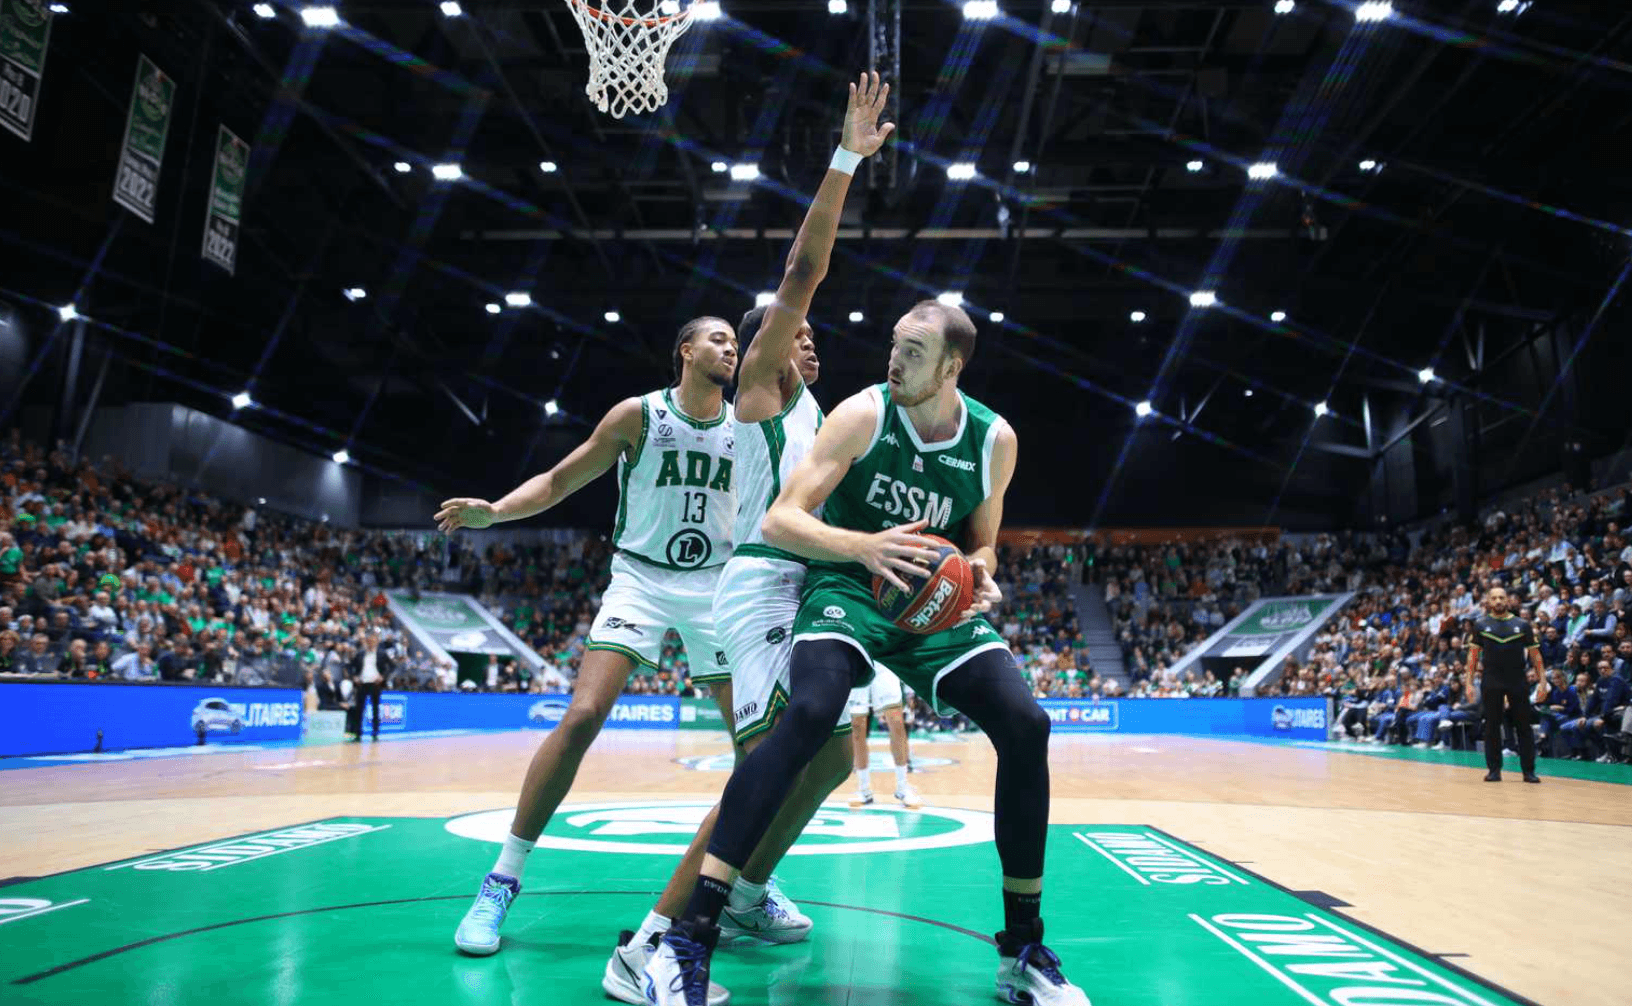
(1504, 641)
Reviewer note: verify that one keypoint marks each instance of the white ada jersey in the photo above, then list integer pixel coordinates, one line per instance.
(676, 499)
(768, 451)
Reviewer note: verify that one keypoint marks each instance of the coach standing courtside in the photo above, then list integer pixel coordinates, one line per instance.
(1503, 641)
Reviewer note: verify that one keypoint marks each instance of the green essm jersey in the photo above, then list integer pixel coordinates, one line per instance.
(901, 479)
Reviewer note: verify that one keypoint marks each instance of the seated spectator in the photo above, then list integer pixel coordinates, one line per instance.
(1609, 695)
(136, 665)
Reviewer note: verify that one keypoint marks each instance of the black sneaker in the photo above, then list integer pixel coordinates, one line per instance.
(1495, 776)
(1531, 777)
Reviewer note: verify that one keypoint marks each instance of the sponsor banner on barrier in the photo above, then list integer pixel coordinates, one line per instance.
(701, 714)
(1070, 715)
(421, 712)
(1299, 718)
(66, 718)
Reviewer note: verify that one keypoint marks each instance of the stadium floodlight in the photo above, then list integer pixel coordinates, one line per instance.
(355, 294)
(265, 12)
(242, 400)
(670, 7)
(857, 317)
(59, 8)
(1194, 167)
(447, 172)
(1426, 375)
(1277, 316)
(1285, 6)
(764, 299)
(837, 6)
(719, 167)
(342, 456)
(551, 407)
(1022, 167)
(1203, 298)
(706, 12)
(1247, 393)
(519, 299)
(1060, 7)
(1374, 12)
(960, 172)
(320, 16)
(744, 172)
(493, 308)
(1512, 7)
(548, 167)
(951, 298)
(451, 9)
(1321, 409)
(1137, 317)
(1263, 170)
(403, 167)
(1368, 165)
(980, 10)
(997, 317)
(612, 317)
(1143, 409)
(67, 312)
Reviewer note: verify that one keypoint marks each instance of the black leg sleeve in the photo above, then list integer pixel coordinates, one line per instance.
(821, 677)
(990, 691)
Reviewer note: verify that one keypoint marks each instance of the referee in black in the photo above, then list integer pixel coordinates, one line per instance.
(1503, 641)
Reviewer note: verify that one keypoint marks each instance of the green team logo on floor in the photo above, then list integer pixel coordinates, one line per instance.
(665, 829)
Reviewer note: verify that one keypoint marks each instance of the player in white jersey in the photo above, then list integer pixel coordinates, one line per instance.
(675, 456)
(882, 695)
(758, 594)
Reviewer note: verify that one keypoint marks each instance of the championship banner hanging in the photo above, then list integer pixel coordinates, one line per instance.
(226, 200)
(136, 187)
(25, 34)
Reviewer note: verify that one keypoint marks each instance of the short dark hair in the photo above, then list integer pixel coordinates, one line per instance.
(957, 329)
(749, 327)
(688, 332)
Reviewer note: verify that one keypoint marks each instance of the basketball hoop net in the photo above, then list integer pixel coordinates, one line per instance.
(628, 41)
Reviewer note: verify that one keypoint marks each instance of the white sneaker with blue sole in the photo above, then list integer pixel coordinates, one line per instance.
(478, 932)
(625, 976)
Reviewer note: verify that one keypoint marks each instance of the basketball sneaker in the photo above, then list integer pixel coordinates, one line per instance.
(626, 972)
(1029, 973)
(908, 796)
(862, 798)
(677, 972)
(773, 890)
(767, 920)
(478, 933)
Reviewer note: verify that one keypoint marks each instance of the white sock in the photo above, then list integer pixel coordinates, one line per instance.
(746, 894)
(900, 778)
(654, 923)
(864, 780)
(513, 857)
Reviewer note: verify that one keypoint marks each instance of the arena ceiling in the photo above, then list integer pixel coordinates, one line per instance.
(1446, 194)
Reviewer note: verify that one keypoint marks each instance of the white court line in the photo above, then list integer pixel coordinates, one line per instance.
(42, 911)
(1190, 855)
(1090, 844)
(1459, 990)
(1254, 958)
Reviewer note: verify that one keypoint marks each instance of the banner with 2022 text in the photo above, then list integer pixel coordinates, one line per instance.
(226, 209)
(147, 126)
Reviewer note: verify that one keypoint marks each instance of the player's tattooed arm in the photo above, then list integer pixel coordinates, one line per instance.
(618, 431)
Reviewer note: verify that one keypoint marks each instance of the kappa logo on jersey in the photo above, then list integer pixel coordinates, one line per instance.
(833, 611)
(889, 438)
(960, 464)
(776, 635)
(662, 413)
(619, 623)
(689, 549)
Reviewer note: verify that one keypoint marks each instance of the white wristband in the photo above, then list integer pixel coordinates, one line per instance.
(846, 161)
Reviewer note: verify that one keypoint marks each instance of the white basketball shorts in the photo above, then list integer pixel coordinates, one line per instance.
(884, 690)
(644, 601)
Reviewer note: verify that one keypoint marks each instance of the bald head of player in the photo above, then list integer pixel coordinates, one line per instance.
(706, 346)
(1496, 602)
(802, 361)
(932, 344)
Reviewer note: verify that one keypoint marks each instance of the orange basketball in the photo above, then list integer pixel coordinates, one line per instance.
(940, 596)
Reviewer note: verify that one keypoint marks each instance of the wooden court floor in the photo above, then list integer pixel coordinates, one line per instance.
(1504, 881)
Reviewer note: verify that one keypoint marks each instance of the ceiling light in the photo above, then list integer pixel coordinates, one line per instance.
(719, 167)
(1021, 167)
(1203, 298)
(1194, 167)
(548, 167)
(341, 456)
(1374, 11)
(1320, 409)
(612, 317)
(951, 298)
(1247, 393)
(1426, 375)
(59, 8)
(1284, 6)
(1263, 170)
(403, 167)
(980, 10)
(242, 400)
(1136, 317)
(519, 299)
(764, 299)
(744, 172)
(706, 12)
(447, 172)
(961, 172)
(1512, 6)
(837, 6)
(551, 407)
(997, 317)
(493, 308)
(1060, 7)
(1277, 316)
(857, 316)
(320, 17)
(451, 9)
(260, 501)
(1143, 409)
(67, 312)
(669, 7)
(355, 294)
(265, 11)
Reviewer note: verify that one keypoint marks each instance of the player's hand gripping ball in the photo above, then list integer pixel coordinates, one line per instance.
(938, 598)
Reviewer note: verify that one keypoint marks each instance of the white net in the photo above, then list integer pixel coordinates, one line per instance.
(628, 41)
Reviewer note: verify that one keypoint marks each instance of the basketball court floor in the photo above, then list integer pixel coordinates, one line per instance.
(1180, 871)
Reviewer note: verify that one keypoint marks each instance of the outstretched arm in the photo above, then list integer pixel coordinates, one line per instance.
(618, 430)
(811, 253)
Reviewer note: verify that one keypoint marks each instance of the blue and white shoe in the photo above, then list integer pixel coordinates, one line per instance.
(478, 932)
(625, 976)
(768, 921)
(1029, 973)
(677, 974)
(773, 890)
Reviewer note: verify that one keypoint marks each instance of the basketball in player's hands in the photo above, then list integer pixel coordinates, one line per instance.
(936, 600)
